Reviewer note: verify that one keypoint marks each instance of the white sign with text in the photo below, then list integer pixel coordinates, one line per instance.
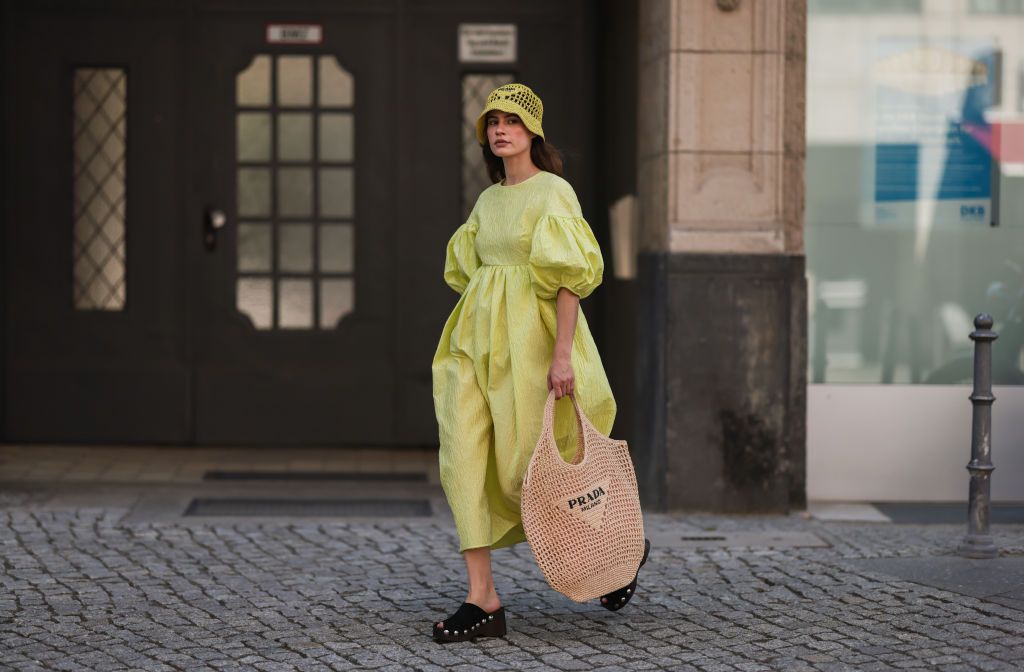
(487, 43)
(295, 33)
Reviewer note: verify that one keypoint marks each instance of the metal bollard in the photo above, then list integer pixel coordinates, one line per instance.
(978, 543)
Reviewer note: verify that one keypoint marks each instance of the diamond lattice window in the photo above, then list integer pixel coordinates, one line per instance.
(475, 87)
(98, 181)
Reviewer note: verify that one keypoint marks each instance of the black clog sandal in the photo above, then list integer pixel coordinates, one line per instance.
(616, 600)
(469, 622)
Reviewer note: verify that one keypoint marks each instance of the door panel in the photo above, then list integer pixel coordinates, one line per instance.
(95, 372)
(274, 150)
(550, 38)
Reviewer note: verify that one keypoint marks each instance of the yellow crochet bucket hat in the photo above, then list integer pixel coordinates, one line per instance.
(515, 99)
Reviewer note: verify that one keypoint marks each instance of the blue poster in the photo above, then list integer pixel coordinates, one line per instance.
(931, 162)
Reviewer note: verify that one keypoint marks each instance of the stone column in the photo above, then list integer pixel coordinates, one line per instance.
(721, 382)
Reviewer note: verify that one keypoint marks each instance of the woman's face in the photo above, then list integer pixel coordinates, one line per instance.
(507, 134)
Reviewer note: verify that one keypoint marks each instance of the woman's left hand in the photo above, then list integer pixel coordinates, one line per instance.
(561, 378)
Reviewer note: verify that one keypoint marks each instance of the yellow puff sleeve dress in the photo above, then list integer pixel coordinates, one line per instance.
(520, 244)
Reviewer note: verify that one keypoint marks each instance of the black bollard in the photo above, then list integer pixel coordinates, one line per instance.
(978, 543)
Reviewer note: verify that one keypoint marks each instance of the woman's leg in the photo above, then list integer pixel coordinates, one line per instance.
(481, 580)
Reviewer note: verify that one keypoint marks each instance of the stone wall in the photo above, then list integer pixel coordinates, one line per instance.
(721, 316)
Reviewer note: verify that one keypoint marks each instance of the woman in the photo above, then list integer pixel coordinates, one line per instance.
(522, 261)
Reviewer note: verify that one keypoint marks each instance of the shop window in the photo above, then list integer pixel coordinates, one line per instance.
(914, 192)
(869, 7)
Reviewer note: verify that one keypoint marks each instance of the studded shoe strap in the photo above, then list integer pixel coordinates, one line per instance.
(467, 618)
(469, 613)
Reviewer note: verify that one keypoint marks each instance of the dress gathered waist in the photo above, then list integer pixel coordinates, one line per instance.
(483, 264)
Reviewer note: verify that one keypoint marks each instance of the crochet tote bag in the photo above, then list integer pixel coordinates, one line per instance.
(582, 519)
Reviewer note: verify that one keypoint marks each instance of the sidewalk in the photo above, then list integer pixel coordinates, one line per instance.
(101, 575)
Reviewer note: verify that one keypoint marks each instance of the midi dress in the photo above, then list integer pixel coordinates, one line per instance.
(520, 244)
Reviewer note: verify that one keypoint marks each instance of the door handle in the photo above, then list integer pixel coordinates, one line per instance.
(214, 221)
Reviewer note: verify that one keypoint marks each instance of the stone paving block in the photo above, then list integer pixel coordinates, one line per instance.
(81, 588)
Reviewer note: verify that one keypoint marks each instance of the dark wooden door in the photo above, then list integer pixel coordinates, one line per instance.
(335, 172)
(93, 264)
(293, 297)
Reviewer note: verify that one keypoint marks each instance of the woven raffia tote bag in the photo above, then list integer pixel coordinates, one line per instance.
(582, 519)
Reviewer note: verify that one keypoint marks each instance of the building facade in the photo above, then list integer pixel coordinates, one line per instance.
(224, 224)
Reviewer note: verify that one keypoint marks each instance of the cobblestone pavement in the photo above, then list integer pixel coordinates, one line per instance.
(85, 589)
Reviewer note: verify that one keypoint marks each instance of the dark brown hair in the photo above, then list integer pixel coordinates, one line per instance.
(543, 154)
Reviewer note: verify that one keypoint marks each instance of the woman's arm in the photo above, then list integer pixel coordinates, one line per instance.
(561, 377)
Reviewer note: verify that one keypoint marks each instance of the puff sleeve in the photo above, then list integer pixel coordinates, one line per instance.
(564, 252)
(461, 260)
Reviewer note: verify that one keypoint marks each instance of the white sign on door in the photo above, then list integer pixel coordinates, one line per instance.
(295, 33)
(487, 43)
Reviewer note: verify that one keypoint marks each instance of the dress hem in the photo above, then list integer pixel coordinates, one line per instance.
(510, 537)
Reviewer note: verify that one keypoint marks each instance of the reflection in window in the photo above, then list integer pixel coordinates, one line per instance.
(1012, 7)
(475, 87)
(295, 192)
(864, 6)
(98, 182)
(914, 198)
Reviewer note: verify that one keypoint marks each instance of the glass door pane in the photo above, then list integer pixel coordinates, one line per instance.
(296, 179)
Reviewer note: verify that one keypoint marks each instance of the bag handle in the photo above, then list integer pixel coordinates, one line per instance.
(548, 429)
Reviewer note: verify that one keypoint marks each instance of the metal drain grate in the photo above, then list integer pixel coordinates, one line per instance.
(405, 477)
(736, 539)
(343, 508)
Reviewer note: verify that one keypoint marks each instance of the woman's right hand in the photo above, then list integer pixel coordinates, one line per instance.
(561, 377)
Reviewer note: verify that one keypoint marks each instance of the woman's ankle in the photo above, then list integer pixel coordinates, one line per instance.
(486, 600)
